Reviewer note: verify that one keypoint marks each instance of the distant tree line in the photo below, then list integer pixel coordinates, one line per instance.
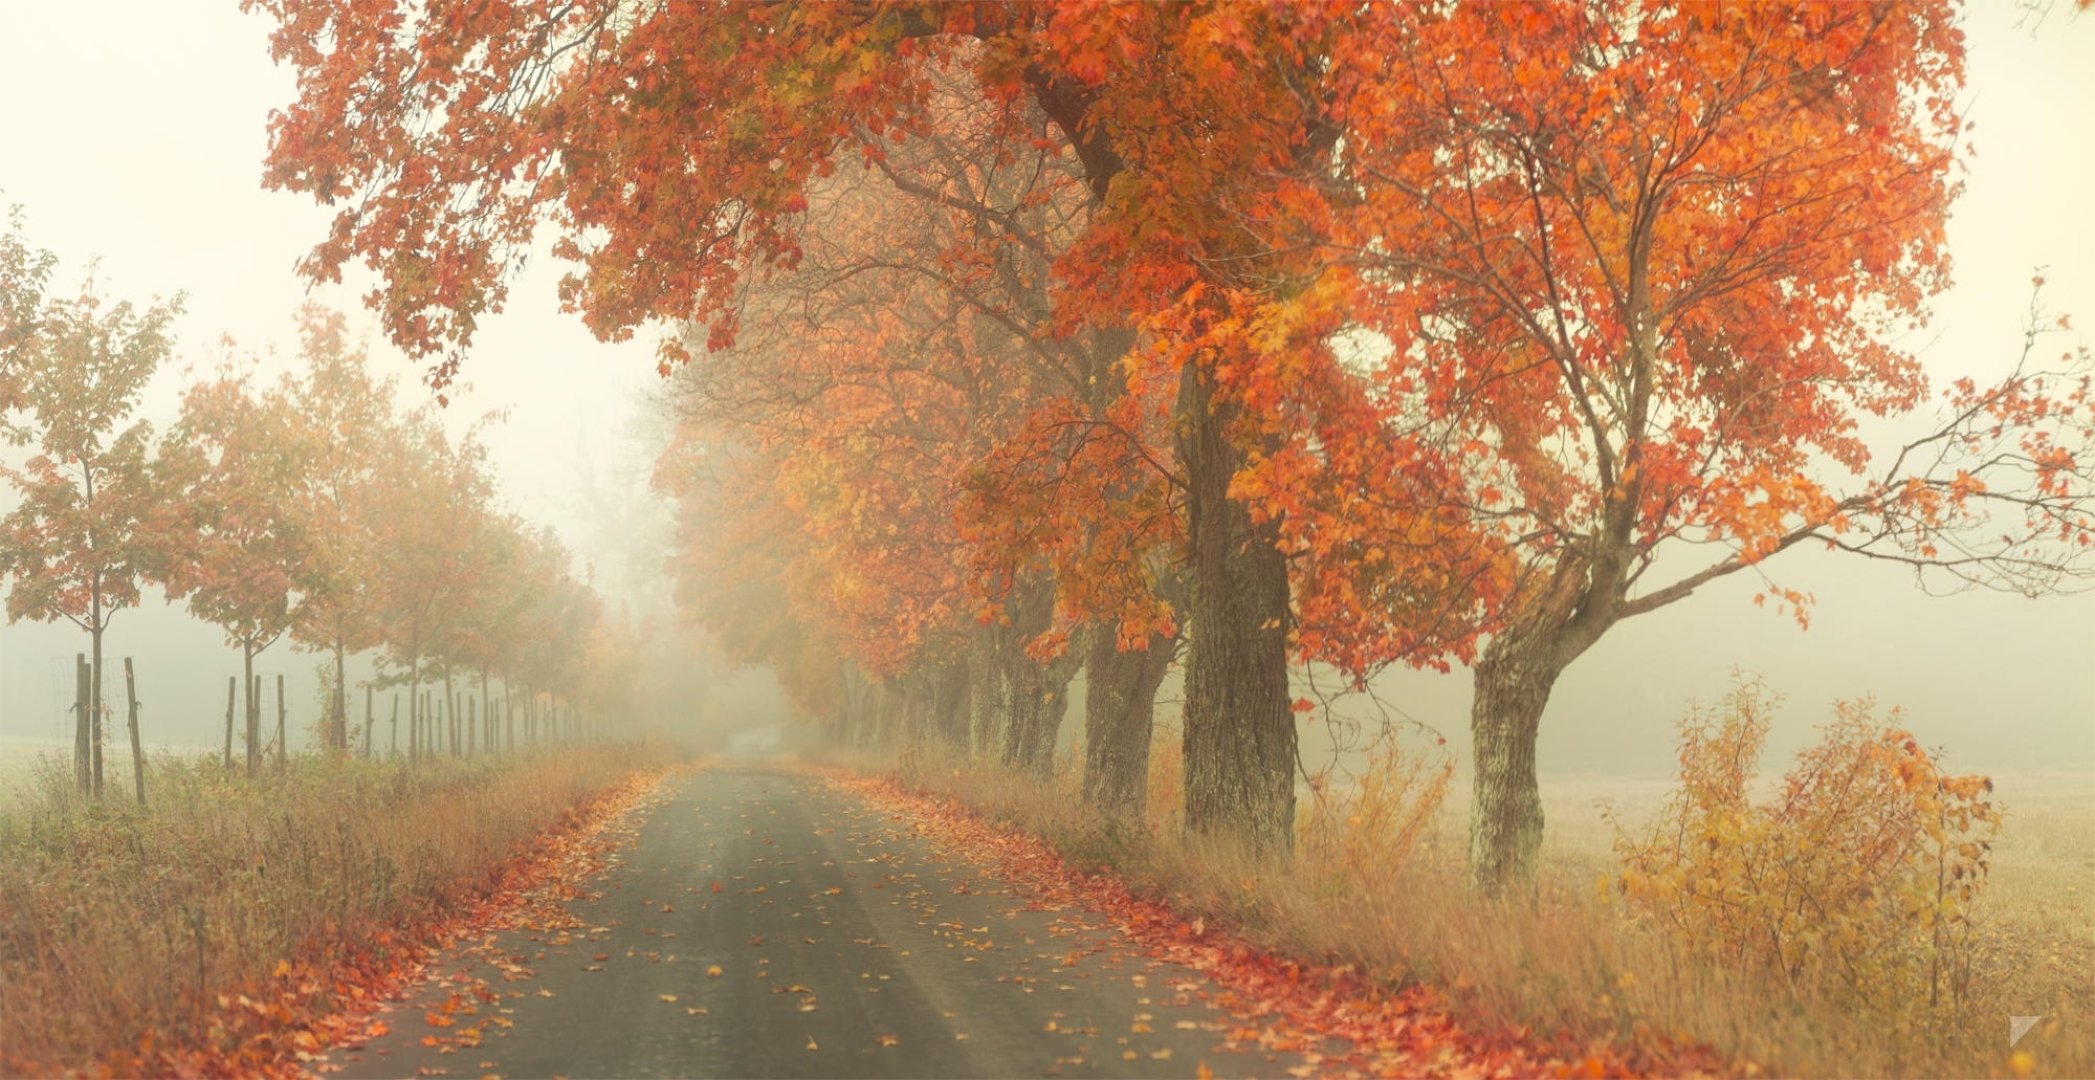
(313, 509)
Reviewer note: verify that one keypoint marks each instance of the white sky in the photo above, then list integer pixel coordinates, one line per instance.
(135, 131)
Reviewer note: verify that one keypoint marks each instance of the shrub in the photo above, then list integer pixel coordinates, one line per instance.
(1857, 875)
(1354, 834)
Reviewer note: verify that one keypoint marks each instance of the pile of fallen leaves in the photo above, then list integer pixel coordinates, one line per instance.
(1339, 1019)
(329, 997)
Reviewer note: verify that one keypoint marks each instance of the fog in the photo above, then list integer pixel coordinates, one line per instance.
(135, 135)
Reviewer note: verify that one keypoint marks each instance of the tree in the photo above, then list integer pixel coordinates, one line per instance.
(231, 466)
(674, 182)
(1642, 269)
(430, 497)
(71, 372)
(346, 422)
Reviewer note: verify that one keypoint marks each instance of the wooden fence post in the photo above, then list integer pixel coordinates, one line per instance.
(137, 748)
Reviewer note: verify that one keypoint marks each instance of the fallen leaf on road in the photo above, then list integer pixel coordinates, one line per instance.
(670, 998)
(811, 1044)
(888, 1040)
(713, 970)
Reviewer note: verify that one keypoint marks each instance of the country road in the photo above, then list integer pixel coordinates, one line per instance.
(768, 924)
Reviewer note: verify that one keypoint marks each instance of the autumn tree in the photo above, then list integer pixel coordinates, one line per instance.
(346, 422)
(673, 149)
(430, 496)
(231, 466)
(1645, 269)
(71, 372)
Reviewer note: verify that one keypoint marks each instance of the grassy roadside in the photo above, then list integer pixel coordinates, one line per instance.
(1575, 966)
(207, 927)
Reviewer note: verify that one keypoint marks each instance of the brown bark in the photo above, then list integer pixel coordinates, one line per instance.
(1038, 702)
(1239, 730)
(988, 692)
(1120, 700)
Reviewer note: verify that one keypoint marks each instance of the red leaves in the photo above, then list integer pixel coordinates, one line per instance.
(1281, 1003)
(327, 998)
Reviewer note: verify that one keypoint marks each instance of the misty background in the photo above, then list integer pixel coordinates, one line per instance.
(150, 119)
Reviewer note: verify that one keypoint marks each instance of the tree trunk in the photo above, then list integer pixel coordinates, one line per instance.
(137, 747)
(231, 695)
(370, 719)
(1120, 704)
(83, 757)
(396, 724)
(1512, 687)
(1039, 701)
(1239, 729)
(94, 709)
(451, 717)
(95, 678)
(283, 739)
(988, 692)
(508, 716)
(472, 724)
(950, 716)
(338, 725)
(414, 703)
(254, 708)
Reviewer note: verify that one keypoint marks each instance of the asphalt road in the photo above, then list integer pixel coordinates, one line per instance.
(837, 943)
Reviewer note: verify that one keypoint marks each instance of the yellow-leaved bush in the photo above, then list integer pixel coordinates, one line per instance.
(1354, 834)
(1857, 873)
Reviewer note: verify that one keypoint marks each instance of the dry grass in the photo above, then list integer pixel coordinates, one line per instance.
(122, 921)
(1574, 965)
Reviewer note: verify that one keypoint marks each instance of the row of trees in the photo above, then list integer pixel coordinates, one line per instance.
(1025, 337)
(311, 509)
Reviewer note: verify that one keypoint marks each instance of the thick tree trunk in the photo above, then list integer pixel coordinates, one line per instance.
(1039, 701)
(1120, 702)
(989, 704)
(1239, 730)
(1513, 681)
(949, 707)
(137, 747)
